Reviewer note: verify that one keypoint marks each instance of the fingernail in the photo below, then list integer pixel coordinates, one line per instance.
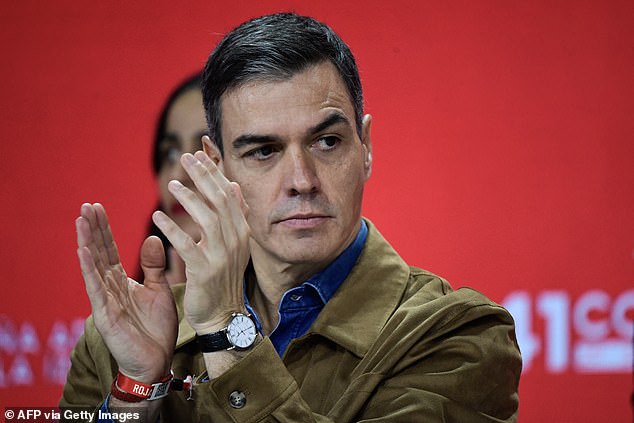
(200, 155)
(175, 185)
(188, 159)
(158, 217)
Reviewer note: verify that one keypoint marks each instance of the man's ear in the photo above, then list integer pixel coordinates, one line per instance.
(366, 142)
(211, 149)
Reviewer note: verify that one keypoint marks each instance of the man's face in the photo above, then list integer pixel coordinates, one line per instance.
(293, 148)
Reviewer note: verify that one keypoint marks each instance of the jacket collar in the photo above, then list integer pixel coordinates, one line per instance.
(361, 306)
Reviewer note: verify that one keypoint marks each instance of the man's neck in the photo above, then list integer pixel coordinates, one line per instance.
(268, 282)
(270, 277)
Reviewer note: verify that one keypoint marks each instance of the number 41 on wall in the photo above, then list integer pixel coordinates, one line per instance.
(594, 333)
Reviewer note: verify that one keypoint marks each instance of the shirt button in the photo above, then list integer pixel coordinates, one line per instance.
(296, 297)
(237, 399)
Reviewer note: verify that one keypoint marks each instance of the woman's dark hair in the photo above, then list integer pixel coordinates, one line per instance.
(158, 154)
(275, 48)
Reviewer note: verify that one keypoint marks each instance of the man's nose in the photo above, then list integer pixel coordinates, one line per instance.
(301, 175)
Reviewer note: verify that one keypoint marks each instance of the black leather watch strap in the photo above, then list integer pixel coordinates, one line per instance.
(213, 342)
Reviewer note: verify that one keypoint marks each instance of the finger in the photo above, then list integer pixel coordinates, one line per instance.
(153, 261)
(209, 181)
(112, 252)
(222, 181)
(84, 236)
(213, 185)
(181, 241)
(242, 208)
(213, 169)
(239, 211)
(112, 279)
(206, 218)
(92, 279)
(87, 232)
(97, 237)
(238, 207)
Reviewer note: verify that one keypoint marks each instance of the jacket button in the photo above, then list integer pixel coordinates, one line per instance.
(237, 399)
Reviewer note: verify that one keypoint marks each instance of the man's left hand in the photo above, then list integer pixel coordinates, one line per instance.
(215, 265)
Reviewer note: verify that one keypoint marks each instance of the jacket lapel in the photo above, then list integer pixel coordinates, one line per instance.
(357, 312)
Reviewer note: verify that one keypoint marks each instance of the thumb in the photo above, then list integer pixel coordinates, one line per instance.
(153, 260)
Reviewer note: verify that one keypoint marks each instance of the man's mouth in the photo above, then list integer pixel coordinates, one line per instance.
(303, 221)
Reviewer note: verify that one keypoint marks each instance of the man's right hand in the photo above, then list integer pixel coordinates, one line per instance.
(137, 322)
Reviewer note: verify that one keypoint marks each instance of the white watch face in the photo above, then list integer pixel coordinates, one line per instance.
(241, 331)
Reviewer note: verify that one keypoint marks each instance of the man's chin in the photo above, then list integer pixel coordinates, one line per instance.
(305, 248)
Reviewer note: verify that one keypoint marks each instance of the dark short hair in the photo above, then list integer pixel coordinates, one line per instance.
(274, 48)
(158, 156)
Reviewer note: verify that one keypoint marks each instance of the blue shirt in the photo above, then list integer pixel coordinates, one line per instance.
(300, 306)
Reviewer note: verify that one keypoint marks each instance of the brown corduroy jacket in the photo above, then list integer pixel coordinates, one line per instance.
(394, 344)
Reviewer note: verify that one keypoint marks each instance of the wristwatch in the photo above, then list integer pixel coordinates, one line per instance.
(240, 334)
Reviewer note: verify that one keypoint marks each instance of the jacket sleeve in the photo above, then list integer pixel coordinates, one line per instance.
(91, 372)
(270, 390)
(465, 370)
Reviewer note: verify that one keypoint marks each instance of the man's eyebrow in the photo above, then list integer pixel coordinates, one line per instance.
(332, 119)
(248, 139)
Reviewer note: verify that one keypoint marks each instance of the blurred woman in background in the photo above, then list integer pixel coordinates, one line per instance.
(179, 129)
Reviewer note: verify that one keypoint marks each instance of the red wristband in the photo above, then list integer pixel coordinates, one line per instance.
(130, 390)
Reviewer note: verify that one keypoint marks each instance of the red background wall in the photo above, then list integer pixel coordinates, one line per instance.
(504, 156)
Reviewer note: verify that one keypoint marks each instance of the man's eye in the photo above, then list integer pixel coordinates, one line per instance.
(327, 143)
(261, 153)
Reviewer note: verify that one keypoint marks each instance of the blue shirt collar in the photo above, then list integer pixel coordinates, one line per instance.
(328, 280)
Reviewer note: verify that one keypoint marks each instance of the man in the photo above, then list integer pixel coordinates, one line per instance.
(295, 308)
